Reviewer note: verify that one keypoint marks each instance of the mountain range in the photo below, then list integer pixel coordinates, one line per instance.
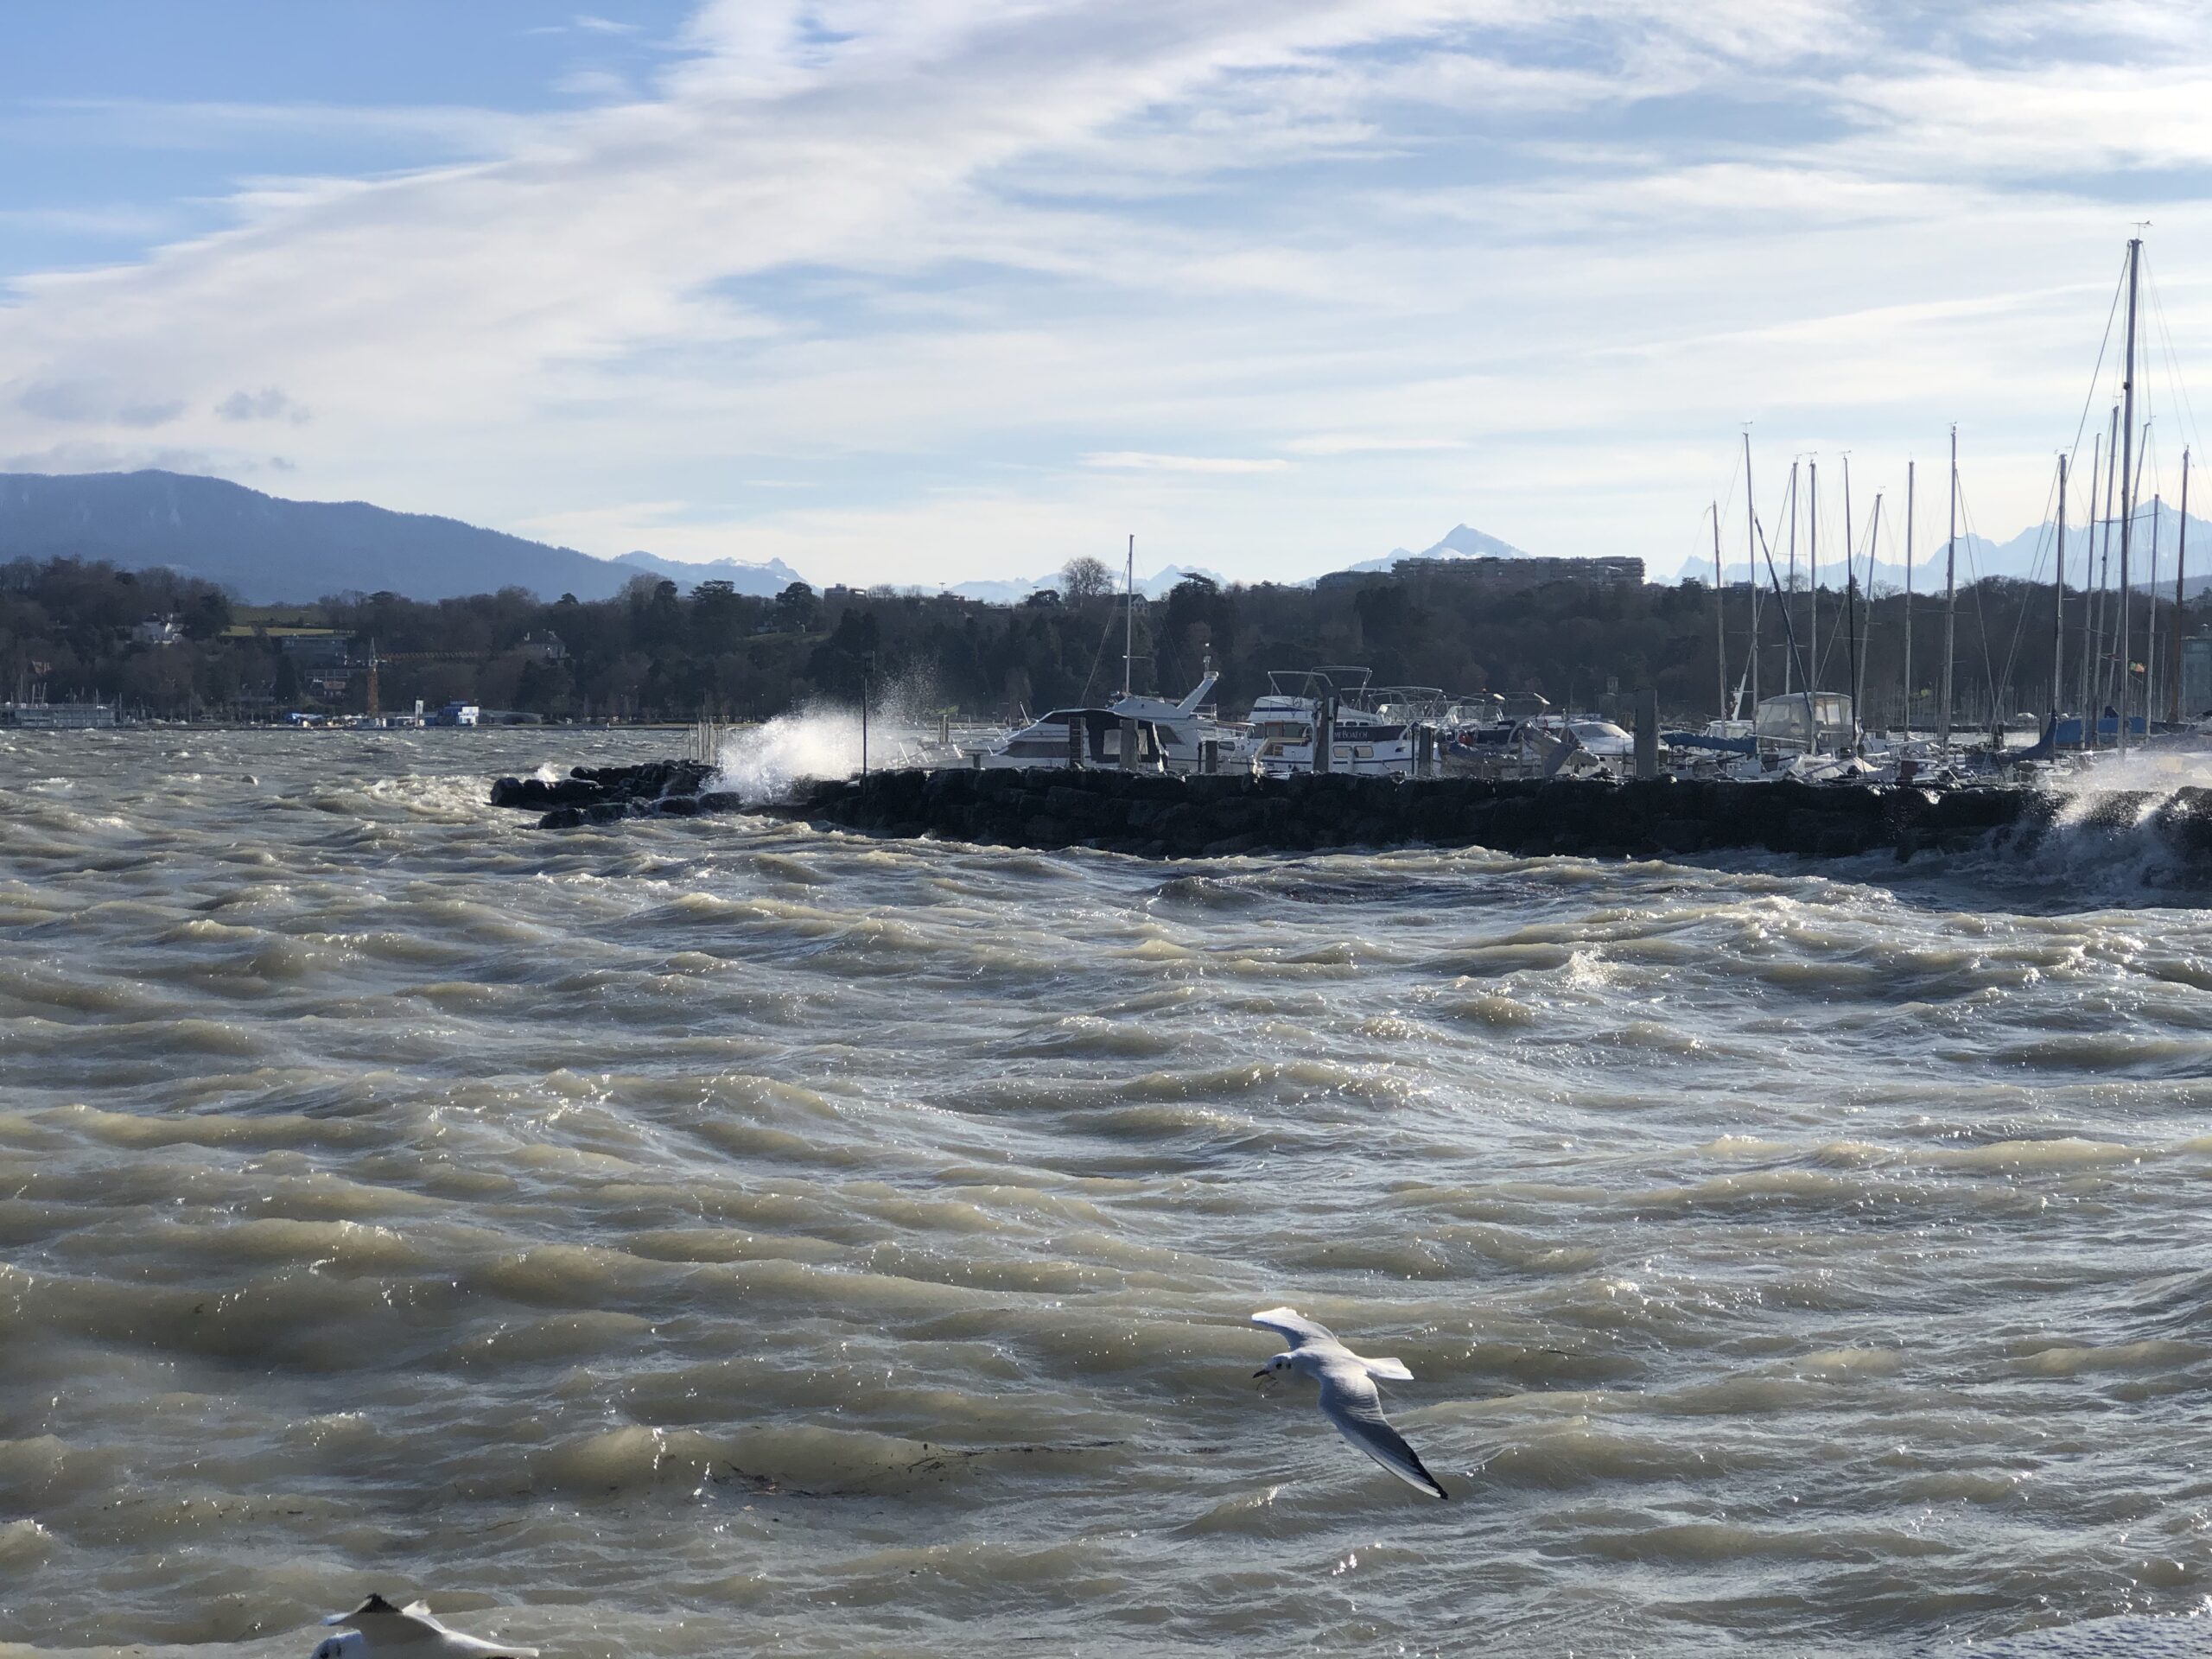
(1154, 586)
(2027, 557)
(764, 579)
(1459, 542)
(266, 549)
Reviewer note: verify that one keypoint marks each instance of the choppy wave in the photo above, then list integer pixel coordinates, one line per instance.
(709, 1235)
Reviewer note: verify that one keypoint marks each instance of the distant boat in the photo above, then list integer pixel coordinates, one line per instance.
(1364, 742)
(57, 716)
(1174, 734)
(1187, 724)
(1046, 743)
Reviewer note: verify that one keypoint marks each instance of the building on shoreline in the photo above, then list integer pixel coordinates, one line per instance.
(57, 716)
(1489, 573)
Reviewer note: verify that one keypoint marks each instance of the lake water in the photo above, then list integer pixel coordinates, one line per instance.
(713, 1237)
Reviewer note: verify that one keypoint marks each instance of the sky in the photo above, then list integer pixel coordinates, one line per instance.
(921, 292)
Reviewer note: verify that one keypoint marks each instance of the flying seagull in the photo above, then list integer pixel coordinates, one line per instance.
(1349, 1398)
(377, 1629)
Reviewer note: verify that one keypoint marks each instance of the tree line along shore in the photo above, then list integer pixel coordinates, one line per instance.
(167, 645)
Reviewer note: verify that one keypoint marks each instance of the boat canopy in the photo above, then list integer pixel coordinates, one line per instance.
(1787, 722)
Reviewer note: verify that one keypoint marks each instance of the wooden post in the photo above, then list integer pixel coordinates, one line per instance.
(1075, 743)
(1325, 733)
(1129, 744)
(1647, 733)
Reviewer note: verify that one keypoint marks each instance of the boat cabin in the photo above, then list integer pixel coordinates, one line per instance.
(1804, 723)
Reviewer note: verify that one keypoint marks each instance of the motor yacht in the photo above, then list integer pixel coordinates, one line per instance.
(1045, 742)
(1366, 741)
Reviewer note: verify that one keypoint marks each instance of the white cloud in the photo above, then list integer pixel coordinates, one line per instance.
(1137, 461)
(593, 83)
(136, 123)
(270, 403)
(995, 275)
(1369, 443)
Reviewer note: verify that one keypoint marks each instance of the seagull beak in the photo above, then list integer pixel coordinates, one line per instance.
(1260, 1373)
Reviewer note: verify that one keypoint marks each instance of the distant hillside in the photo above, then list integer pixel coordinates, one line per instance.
(267, 550)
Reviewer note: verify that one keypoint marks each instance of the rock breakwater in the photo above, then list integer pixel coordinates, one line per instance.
(1162, 816)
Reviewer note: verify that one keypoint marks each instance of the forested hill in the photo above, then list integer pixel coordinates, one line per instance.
(267, 550)
(654, 653)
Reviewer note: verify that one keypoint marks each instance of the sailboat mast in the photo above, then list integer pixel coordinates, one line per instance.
(1812, 578)
(1909, 516)
(1849, 555)
(1751, 570)
(2105, 600)
(1851, 609)
(2181, 569)
(1950, 598)
(1129, 622)
(1787, 684)
(2058, 607)
(2125, 652)
(2151, 683)
(1720, 614)
(2128, 485)
(2090, 604)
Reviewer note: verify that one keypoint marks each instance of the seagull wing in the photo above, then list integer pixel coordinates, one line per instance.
(413, 1629)
(449, 1644)
(1293, 1326)
(454, 1645)
(1348, 1399)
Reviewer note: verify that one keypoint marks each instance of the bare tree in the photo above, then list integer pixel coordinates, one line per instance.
(1085, 577)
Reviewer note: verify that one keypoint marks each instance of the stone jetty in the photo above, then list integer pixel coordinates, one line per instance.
(1156, 816)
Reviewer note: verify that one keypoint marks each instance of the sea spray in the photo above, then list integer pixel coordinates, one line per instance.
(762, 763)
(824, 740)
(2120, 828)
